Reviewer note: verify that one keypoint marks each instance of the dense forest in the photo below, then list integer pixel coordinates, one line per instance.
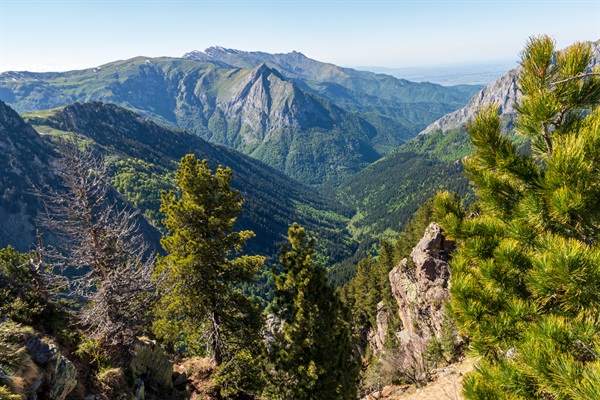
(158, 271)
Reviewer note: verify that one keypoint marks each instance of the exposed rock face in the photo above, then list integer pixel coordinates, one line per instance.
(376, 336)
(420, 288)
(264, 101)
(502, 92)
(152, 365)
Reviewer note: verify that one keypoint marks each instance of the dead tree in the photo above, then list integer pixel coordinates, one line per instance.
(99, 247)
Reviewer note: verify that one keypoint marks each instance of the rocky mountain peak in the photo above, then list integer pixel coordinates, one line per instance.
(503, 92)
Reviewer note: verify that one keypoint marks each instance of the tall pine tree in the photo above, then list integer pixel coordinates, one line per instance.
(526, 276)
(204, 270)
(312, 352)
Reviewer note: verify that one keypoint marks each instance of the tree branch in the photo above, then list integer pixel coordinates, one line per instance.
(572, 78)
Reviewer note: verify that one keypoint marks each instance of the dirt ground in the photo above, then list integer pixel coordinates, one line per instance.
(447, 386)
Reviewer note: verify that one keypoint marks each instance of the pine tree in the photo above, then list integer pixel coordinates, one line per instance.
(203, 305)
(312, 352)
(526, 276)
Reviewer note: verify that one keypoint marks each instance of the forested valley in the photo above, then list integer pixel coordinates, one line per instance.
(183, 245)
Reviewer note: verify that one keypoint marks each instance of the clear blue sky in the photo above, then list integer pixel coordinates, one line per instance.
(68, 34)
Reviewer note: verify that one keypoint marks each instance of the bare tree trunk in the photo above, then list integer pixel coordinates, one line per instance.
(216, 342)
(101, 242)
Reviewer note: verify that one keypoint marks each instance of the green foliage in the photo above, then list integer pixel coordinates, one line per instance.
(312, 354)
(337, 120)
(94, 354)
(448, 146)
(387, 193)
(144, 157)
(203, 268)
(243, 373)
(6, 394)
(525, 276)
(24, 297)
(141, 183)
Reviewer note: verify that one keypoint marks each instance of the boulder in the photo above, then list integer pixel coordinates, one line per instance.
(151, 364)
(35, 366)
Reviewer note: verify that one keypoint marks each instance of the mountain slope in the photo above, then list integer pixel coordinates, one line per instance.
(503, 92)
(412, 104)
(144, 156)
(24, 159)
(427, 163)
(315, 122)
(27, 160)
(298, 67)
(256, 111)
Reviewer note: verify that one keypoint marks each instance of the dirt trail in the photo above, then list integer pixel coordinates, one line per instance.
(448, 386)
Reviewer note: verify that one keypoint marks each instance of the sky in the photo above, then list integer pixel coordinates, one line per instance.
(58, 35)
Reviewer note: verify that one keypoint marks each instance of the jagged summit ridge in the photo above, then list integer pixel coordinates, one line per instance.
(215, 51)
(503, 92)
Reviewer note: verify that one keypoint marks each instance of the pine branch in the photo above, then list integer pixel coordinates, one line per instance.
(573, 78)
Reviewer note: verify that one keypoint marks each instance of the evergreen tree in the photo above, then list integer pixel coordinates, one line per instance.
(312, 351)
(526, 276)
(204, 268)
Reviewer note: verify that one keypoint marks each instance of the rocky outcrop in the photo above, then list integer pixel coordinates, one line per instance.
(152, 365)
(420, 287)
(34, 367)
(377, 335)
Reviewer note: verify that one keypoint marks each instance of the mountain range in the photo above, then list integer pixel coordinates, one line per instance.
(315, 122)
(285, 110)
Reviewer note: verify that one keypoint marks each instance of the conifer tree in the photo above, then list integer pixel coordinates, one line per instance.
(526, 276)
(204, 269)
(312, 352)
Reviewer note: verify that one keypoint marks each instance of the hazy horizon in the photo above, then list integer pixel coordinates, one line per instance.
(59, 35)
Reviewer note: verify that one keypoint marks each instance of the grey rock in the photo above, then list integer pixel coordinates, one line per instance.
(151, 363)
(377, 335)
(503, 92)
(420, 288)
(140, 390)
(63, 377)
(40, 352)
